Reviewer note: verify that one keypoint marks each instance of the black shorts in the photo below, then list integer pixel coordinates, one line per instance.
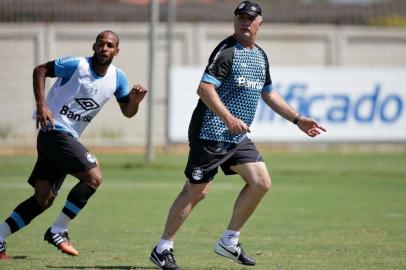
(206, 156)
(59, 154)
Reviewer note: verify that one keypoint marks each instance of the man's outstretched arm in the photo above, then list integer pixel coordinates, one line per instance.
(308, 125)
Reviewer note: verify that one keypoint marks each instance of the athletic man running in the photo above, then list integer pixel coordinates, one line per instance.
(83, 86)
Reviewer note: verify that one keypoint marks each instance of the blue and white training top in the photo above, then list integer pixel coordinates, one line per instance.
(240, 75)
(79, 93)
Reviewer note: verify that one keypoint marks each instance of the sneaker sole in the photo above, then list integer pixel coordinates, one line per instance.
(155, 262)
(225, 256)
(158, 264)
(70, 253)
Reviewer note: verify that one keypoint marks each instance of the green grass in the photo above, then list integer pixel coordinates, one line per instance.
(325, 211)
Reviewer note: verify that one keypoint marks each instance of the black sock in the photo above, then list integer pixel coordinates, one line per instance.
(77, 199)
(23, 214)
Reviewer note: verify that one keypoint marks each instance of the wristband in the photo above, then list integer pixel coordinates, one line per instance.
(297, 118)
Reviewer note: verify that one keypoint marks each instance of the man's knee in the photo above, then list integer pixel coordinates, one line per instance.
(266, 183)
(95, 180)
(43, 194)
(93, 177)
(201, 194)
(263, 183)
(45, 200)
(197, 192)
(255, 175)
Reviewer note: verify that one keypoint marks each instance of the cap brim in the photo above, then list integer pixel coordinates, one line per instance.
(249, 12)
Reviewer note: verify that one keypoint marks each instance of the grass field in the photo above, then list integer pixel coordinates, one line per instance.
(325, 211)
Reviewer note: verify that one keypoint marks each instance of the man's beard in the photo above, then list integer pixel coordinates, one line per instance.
(102, 62)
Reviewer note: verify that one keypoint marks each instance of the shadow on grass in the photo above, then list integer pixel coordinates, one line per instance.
(21, 257)
(118, 267)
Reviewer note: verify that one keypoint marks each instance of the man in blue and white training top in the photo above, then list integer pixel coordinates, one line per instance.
(83, 86)
(236, 76)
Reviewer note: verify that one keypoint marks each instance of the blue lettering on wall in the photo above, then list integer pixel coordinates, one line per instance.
(335, 108)
(398, 105)
(340, 109)
(368, 103)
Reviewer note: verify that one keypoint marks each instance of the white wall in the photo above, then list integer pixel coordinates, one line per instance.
(26, 45)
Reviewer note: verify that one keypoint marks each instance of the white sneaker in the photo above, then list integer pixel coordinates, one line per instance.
(234, 252)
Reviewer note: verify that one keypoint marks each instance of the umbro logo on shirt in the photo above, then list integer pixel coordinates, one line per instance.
(87, 103)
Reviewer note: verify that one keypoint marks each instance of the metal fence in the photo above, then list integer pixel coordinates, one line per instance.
(338, 12)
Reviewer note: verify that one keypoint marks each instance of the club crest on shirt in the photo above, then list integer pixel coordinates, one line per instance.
(93, 90)
(263, 69)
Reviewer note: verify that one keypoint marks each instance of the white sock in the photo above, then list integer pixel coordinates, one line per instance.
(164, 244)
(61, 223)
(4, 231)
(230, 238)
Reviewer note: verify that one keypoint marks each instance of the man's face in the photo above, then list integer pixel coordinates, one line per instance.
(105, 48)
(246, 25)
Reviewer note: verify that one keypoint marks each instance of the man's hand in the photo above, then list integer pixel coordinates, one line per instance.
(236, 125)
(310, 126)
(137, 93)
(45, 120)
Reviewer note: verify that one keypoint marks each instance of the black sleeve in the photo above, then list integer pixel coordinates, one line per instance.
(268, 80)
(124, 99)
(221, 60)
(50, 69)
